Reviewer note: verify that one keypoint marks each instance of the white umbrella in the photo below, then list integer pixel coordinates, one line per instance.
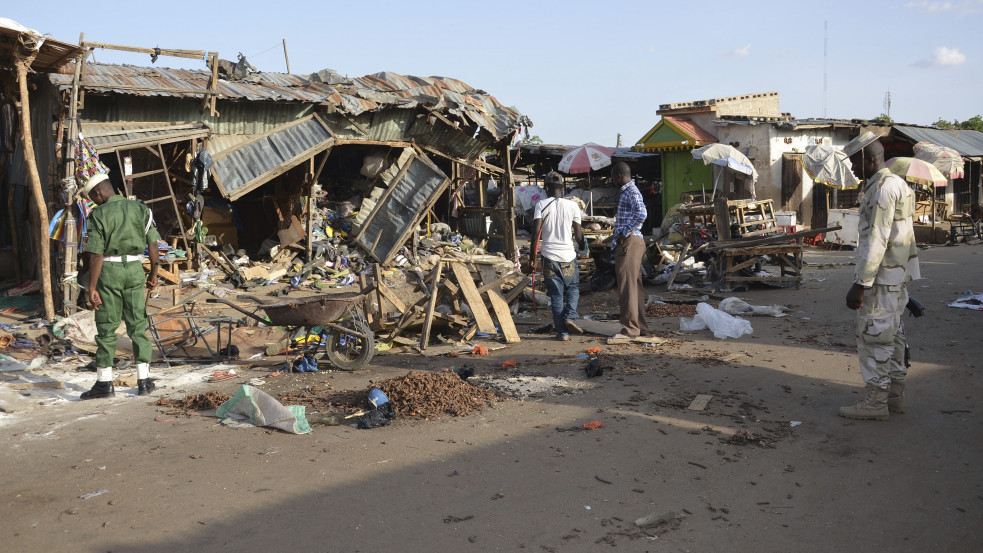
(829, 166)
(727, 156)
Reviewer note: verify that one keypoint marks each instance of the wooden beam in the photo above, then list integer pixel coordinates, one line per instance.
(504, 316)
(190, 54)
(477, 305)
(431, 305)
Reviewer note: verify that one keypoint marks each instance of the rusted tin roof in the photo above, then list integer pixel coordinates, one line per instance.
(351, 96)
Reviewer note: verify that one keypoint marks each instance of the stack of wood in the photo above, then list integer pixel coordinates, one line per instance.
(395, 307)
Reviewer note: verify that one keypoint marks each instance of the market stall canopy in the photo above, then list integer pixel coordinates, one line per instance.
(586, 158)
(946, 160)
(917, 171)
(829, 166)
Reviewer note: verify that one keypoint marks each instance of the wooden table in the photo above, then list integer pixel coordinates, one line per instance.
(788, 257)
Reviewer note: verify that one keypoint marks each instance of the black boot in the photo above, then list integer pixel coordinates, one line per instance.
(145, 386)
(100, 390)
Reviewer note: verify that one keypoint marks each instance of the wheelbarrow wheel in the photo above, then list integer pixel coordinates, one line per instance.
(346, 351)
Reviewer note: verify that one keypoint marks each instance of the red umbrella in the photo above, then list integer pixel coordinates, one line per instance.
(586, 158)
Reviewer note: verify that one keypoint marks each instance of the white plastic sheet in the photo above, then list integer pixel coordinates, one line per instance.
(723, 325)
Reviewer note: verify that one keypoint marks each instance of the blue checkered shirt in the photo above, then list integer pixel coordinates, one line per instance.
(631, 213)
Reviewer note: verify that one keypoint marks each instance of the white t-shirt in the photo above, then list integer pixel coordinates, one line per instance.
(559, 215)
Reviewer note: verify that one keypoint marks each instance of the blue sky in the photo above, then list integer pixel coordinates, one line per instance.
(583, 71)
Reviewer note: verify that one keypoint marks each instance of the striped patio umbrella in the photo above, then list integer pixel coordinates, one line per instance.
(586, 158)
(917, 171)
(946, 160)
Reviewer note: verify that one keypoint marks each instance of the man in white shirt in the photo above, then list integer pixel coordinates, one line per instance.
(557, 223)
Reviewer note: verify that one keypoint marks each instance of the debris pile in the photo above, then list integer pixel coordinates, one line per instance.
(191, 405)
(428, 395)
(417, 394)
(659, 310)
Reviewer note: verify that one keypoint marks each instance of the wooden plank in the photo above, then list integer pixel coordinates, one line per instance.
(168, 276)
(431, 305)
(497, 284)
(389, 295)
(679, 265)
(470, 291)
(517, 290)
(700, 402)
(504, 316)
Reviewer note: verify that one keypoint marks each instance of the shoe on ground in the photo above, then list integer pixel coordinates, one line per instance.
(873, 406)
(100, 390)
(574, 327)
(895, 396)
(563, 337)
(145, 386)
(620, 336)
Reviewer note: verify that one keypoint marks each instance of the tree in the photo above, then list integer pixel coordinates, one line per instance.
(974, 124)
(884, 118)
(534, 139)
(943, 124)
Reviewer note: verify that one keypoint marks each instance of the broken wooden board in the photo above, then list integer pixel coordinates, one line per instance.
(470, 291)
(504, 316)
(700, 402)
(167, 275)
(431, 305)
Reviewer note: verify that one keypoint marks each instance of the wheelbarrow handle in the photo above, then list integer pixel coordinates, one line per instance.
(236, 307)
(255, 299)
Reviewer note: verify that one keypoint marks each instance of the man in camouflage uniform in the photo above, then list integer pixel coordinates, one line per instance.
(119, 230)
(886, 260)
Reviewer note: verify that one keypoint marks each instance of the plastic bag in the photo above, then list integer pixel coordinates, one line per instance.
(722, 325)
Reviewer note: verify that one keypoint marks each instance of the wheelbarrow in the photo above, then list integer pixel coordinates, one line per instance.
(349, 343)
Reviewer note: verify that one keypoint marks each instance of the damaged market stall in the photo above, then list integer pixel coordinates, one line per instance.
(301, 133)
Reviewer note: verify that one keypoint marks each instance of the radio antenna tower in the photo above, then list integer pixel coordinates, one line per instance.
(825, 57)
(887, 104)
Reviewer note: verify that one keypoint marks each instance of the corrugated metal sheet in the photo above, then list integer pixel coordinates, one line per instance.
(406, 202)
(109, 138)
(966, 142)
(235, 117)
(249, 165)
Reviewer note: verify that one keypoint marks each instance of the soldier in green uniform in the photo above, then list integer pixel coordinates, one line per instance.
(119, 230)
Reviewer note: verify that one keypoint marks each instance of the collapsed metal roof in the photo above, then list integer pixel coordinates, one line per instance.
(352, 96)
(968, 143)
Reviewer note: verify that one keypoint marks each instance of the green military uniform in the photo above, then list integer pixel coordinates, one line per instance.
(121, 228)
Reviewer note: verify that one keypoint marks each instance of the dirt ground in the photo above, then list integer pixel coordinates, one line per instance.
(766, 466)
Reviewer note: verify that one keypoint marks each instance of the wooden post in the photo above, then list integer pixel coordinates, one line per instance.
(30, 163)
(285, 58)
(721, 218)
(508, 202)
(69, 293)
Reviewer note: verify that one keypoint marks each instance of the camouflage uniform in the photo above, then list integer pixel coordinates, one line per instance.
(886, 260)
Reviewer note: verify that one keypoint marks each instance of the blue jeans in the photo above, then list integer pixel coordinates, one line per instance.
(563, 285)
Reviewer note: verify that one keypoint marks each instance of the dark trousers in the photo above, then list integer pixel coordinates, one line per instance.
(628, 269)
(563, 285)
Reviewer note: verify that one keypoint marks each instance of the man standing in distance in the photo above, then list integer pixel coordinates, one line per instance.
(558, 221)
(886, 260)
(629, 247)
(119, 230)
